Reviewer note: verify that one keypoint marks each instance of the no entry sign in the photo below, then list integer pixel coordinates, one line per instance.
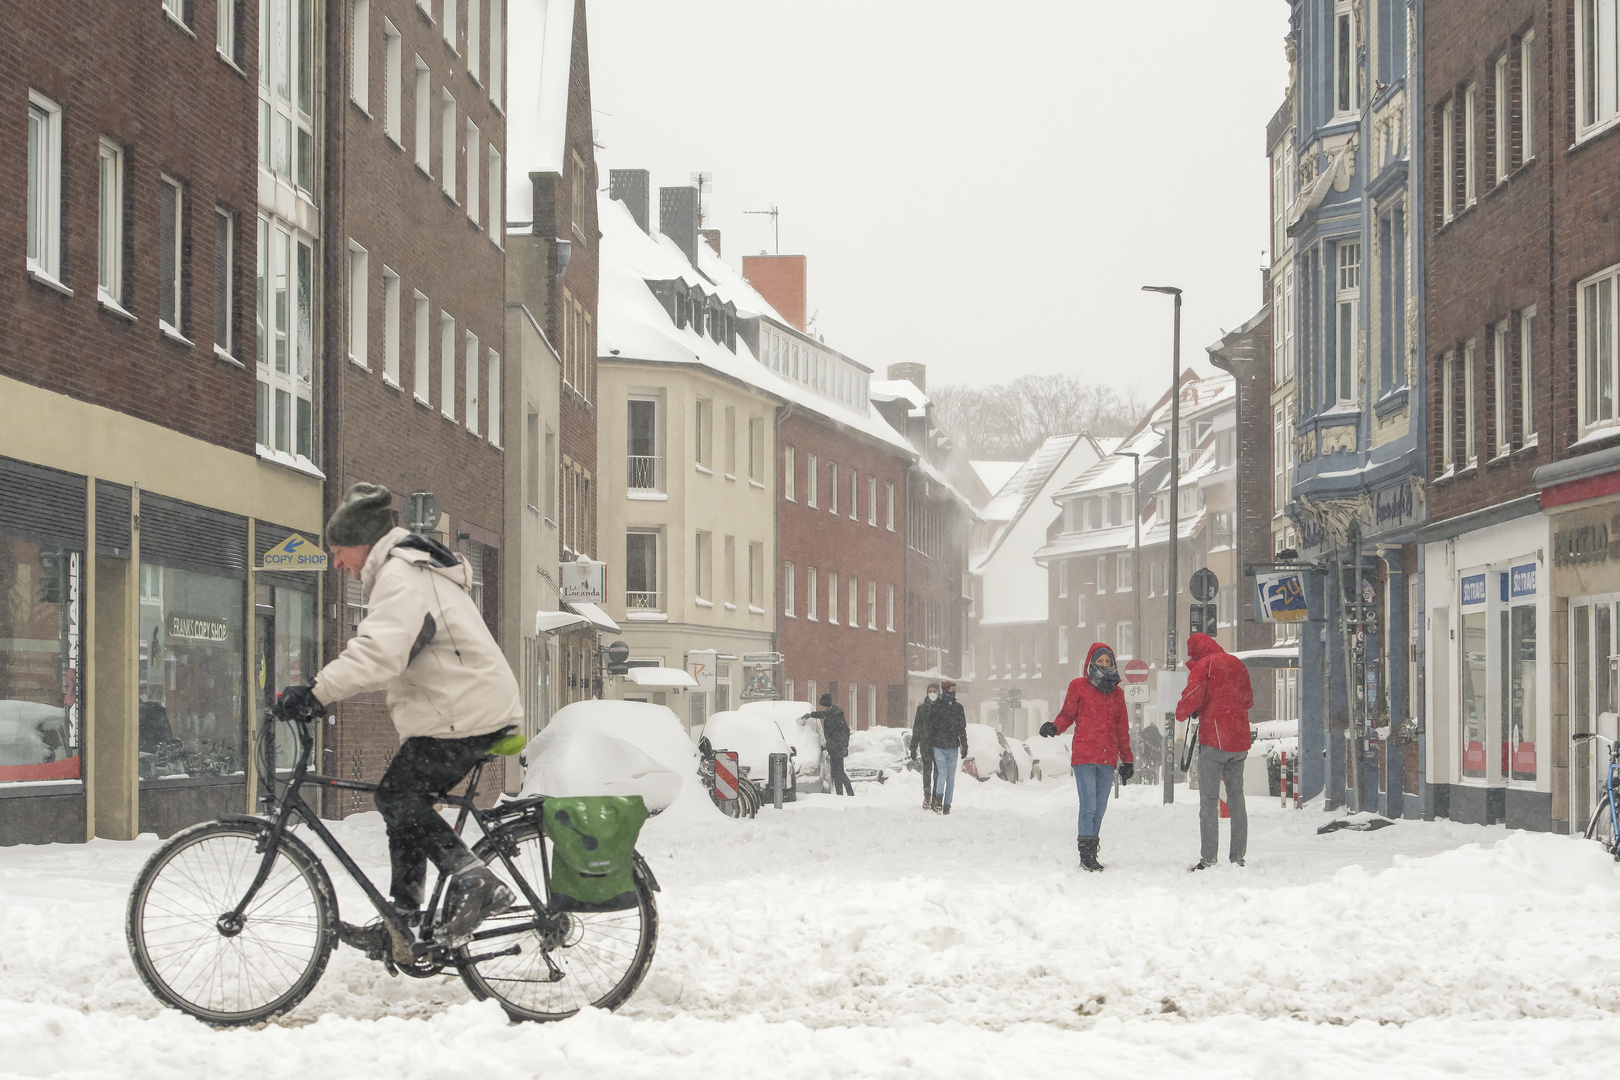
(725, 774)
(1135, 671)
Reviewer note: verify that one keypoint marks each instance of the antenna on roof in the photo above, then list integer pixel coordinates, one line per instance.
(703, 181)
(775, 227)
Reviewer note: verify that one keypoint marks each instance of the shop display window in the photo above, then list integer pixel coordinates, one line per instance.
(192, 707)
(1519, 692)
(1475, 693)
(285, 656)
(41, 608)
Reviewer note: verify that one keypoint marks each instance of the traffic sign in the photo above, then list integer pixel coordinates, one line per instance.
(1138, 693)
(1135, 671)
(1201, 619)
(725, 774)
(1204, 584)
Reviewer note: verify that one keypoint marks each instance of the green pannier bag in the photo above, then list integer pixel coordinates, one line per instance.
(593, 847)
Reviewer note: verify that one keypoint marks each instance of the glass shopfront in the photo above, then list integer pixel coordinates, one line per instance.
(284, 633)
(1474, 692)
(192, 708)
(41, 650)
(1499, 688)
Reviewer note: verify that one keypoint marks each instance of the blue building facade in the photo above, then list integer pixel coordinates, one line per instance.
(1352, 213)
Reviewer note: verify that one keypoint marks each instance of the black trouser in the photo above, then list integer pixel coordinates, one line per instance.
(416, 832)
(926, 754)
(841, 784)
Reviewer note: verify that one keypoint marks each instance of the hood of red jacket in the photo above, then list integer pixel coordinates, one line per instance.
(1202, 645)
(1091, 652)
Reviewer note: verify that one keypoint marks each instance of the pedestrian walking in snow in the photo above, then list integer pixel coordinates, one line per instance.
(835, 729)
(947, 733)
(1219, 695)
(922, 749)
(1095, 708)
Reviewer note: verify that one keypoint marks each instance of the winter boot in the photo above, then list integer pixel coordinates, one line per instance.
(1088, 854)
(936, 802)
(474, 894)
(946, 809)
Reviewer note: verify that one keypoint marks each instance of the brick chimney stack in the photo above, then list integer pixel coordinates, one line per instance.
(632, 187)
(678, 218)
(712, 238)
(915, 374)
(782, 281)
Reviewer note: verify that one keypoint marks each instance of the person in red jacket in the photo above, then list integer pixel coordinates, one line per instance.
(1095, 708)
(1219, 695)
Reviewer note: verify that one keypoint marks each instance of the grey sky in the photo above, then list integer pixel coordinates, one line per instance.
(981, 187)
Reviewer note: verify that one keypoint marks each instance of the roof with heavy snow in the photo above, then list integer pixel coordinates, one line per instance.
(541, 35)
(995, 474)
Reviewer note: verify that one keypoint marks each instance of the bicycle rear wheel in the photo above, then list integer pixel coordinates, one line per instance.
(602, 956)
(1601, 827)
(237, 975)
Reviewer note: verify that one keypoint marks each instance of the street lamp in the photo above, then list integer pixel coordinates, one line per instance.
(1170, 661)
(1136, 553)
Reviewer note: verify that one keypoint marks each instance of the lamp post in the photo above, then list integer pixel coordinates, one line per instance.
(1136, 553)
(1170, 659)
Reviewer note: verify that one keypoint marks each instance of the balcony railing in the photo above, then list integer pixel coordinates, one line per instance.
(643, 472)
(641, 601)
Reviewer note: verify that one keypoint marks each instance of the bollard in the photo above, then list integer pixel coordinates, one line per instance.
(779, 767)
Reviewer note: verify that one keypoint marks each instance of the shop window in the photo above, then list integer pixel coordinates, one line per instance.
(284, 636)
(191, 663)
(1518, 628)
(1475, 681)
(40, 660)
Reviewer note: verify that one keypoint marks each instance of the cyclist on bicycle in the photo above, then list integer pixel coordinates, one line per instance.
(451, 696)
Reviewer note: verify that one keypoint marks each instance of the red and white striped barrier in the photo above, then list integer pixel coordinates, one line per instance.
(725, 774)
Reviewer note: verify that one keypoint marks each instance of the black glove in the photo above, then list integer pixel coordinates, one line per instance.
(299, 703)
(1048, 730)
(1126, 771)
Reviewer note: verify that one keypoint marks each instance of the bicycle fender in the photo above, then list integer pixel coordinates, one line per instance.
(290, 839)
(645, 871)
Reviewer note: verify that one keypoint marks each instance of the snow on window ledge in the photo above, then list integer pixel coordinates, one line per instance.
(296, 462)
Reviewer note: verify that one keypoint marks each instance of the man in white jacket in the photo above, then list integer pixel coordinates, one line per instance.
(451, 696)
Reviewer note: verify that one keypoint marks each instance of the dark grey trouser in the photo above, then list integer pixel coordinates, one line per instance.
(1215, 766)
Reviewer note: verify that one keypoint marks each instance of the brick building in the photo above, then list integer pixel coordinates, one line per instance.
(414, 297)
(137, 490)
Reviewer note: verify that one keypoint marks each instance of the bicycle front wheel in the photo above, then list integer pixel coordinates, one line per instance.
(1601, 827)
(194, 960)
(601, 956)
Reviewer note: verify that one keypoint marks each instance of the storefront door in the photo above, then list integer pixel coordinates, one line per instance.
(1594, 696)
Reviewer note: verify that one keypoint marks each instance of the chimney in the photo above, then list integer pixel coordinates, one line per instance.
(632, 187)
(781, 280)
(712, 238)
(915, 374)
(678, 218)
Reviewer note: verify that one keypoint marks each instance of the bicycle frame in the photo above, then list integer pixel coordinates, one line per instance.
(1611, 783)
(291, 803)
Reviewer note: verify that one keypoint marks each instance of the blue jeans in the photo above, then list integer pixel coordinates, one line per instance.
(945, 772)
(1093, 782)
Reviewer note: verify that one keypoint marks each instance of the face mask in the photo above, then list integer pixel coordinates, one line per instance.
(1102, 671)
(933, 697)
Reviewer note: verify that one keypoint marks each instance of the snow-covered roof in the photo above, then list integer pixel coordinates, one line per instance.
(1015, 495)
(896, 389)
(1092, 541)
(540, 34)
(995, 474)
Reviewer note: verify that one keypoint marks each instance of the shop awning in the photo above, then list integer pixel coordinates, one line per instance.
(661, 677)
(595, 616)
(1283, 656)
(550, 622)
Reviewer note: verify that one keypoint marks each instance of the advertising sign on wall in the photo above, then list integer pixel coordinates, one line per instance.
(1280, 595)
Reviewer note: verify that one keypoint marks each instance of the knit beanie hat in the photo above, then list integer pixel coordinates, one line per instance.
(362, 518)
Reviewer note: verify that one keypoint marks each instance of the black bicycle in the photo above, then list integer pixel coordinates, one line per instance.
(233, 920)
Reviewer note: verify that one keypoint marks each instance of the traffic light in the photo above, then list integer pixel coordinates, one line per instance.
(1201, 619)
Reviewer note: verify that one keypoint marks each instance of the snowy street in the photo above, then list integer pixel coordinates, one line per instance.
(865, 937)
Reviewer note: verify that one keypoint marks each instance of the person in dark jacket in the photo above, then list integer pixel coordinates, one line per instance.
(1095, 708)
(835, 729)
(921, 748)
(1219, 694)
(947, 733)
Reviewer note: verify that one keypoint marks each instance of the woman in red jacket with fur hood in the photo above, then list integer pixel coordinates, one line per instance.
(1095, 708)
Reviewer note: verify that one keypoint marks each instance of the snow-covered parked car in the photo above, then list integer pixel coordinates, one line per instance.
(755, 738)
(990, 755)
(1052, 752)
(613, 748)
(804, 733)
(877, 753)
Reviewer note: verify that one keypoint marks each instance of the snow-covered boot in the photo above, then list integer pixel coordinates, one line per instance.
(936, 802)
(1088, 854)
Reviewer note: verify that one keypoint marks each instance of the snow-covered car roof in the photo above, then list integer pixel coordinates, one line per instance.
(754, 737)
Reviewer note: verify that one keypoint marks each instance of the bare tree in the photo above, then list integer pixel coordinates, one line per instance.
(1008, 421)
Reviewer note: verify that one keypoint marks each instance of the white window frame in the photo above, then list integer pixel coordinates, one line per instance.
(1500, 390)
(421, 373)
(360, 54)
(854, 495)
(871, 603)
(472, 377)
(1470, 424)
(449, 21)
(493, 360)
(889, 608)
(1500, 130)
(1448, 164)
(1079, 608)
(1347, 328)
(424, 117)
(789, 589)
(474, 31)
(225, 285)
(789, 475)
(871, 501)
(890, 487)
(1062, 644)
(1346, 71)
(176, 10)
(1597, 80)
(497, 54)
(286, 360)
(813, 475)
(44, 250)
(1448, 422)
(447, 138)
(497, 178)
(359, 303)
(832, 598)
(1527, 354)
(1527, 98)
(391, 316)
(1602, 289)
(110, 225)
(1470, 147)
(1122, 572)
(393, 90)
(1125, 650)
(852, 609)
(286, 108)
(173, 320)
(473, 183)
(832, 487)
(447, 366)
(810, 593)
